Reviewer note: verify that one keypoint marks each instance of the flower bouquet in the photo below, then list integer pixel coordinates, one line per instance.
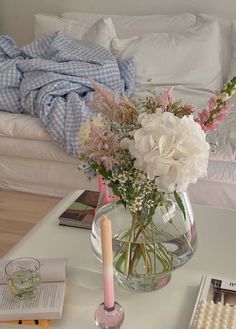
(149, 151)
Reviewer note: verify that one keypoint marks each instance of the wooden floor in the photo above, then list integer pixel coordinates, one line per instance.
(19, 212)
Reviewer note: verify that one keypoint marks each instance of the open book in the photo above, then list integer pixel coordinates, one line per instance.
(48, 302)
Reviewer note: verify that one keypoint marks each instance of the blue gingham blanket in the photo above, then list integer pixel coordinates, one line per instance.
(51, 78)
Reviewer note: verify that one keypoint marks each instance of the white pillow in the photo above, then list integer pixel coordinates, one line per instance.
(232, 72)
(225, 37)
(101, 32)
(127, 26)
(190, 58)
(47, 24)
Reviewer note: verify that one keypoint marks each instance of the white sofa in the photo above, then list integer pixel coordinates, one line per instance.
(31, 162)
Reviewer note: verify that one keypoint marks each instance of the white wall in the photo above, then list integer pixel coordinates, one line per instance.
(16, 16)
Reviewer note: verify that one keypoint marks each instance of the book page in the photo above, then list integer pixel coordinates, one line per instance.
(47, 304)
(51, 269)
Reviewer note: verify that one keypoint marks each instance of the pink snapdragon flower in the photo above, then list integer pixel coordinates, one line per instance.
(202, 119)
(215, 112)
(212, 103)
(224, 111)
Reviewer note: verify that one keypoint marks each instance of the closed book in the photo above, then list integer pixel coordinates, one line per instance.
(81, 212)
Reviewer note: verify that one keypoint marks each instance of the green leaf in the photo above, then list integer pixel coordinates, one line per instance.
(180, 203)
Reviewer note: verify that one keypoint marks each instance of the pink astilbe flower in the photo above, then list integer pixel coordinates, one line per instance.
(105, 101)
(115, 107)
(102, 146)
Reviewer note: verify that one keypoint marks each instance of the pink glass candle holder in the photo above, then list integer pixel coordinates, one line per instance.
(112, 318)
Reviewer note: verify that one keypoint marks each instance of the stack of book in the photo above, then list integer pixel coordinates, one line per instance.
(37, 311)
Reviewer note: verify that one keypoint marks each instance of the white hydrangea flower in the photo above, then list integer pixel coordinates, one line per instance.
(171, 150)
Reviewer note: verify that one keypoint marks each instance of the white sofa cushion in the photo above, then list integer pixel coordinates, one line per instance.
(225, 38)
(191, 58)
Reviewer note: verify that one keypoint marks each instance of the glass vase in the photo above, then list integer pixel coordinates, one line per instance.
(147, 250)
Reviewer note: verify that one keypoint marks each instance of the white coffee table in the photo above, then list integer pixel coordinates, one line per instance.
(169, 308)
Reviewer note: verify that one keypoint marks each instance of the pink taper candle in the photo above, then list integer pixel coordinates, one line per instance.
(107, 259)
